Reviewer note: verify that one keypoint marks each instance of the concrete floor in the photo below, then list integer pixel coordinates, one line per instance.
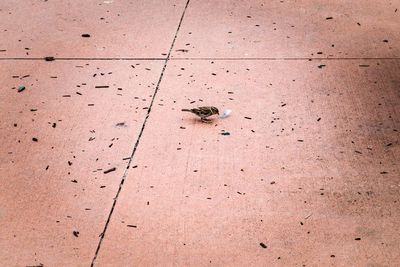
(99, 166)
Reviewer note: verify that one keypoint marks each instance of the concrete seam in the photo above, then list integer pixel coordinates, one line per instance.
(102, 235)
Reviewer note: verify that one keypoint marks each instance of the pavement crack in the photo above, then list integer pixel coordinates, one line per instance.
(102, 235)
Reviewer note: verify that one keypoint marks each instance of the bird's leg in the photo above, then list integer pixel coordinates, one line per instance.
(203, 119)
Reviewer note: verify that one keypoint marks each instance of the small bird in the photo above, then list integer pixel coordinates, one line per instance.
(203, 112)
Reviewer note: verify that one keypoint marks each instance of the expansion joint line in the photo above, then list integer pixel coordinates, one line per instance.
(102, 235)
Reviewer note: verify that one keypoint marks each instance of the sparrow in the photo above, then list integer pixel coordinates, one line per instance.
(203, 112)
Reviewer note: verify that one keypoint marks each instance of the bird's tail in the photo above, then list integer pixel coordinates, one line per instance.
(188, 110)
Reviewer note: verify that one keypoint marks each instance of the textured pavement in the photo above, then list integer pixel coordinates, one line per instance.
(99, 166)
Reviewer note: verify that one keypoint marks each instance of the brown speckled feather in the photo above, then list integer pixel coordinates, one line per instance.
(203, 112)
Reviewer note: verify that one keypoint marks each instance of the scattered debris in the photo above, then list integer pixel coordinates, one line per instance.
(226, 114)
(110, 170)
(120, 124)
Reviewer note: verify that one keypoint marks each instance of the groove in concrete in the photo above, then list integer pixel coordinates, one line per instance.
(102, 235)
(206, 58)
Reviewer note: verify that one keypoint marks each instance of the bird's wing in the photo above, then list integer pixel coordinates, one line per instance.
(205, 111)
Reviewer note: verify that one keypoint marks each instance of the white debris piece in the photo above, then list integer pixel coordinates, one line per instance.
(226, 114)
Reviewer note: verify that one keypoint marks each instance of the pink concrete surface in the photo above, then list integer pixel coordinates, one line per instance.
(301, 176)
(55, 186)
(33, 28)
(311, 28)
(303, 173)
